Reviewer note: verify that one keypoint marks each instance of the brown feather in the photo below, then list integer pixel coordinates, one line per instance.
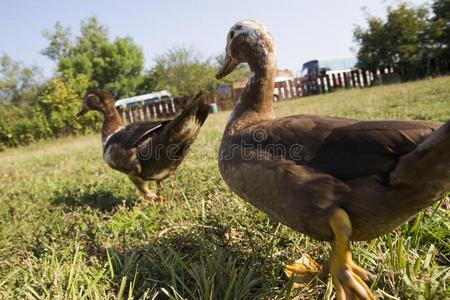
(166, 150)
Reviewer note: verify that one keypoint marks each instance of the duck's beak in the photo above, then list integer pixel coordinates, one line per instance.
(83, 110)
(228, 66)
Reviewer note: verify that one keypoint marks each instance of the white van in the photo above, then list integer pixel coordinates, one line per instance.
(141, 100)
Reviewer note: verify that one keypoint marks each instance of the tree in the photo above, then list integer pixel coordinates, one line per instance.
(59, 103)
(400, 40)
(440, 33)
(53, 114)
(373, 52)
(150, 79)
(183, 72)
(116, 66)
(59, 42)
(123, 60)
(19, 84)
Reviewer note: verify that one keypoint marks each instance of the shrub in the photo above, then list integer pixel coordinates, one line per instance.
(53, 115)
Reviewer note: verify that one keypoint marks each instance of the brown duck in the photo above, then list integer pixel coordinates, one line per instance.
(149, 150)
(332, 179)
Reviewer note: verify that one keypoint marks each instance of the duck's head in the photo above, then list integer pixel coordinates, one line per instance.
(96, 99)
(247, 41)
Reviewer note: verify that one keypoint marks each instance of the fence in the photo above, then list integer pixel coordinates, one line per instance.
(324, 83)
(156, 110)
(289, 89)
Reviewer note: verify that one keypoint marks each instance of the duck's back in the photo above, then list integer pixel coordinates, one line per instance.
(343, 148)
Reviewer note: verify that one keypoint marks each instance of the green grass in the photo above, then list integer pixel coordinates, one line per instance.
(71, 228)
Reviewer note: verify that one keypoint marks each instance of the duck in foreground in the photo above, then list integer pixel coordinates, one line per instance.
(333, 179)
(149, 150)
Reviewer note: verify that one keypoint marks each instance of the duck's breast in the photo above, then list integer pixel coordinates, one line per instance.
(294, 195)
(120, 159)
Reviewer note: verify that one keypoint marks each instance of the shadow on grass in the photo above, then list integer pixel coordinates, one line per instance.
(202, 262)
(103, 200)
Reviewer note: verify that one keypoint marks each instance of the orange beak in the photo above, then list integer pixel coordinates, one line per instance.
(82, 111)
(228, 66)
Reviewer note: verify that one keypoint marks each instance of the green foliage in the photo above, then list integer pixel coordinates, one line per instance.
(124, 62)
(60, 102)
(408, 38)
(399, 41)
(440, 32)
(59, 42)
(53, 114)
(22, 126)
(19, 84)
(183, 72)
(114, 65)
(149, 81)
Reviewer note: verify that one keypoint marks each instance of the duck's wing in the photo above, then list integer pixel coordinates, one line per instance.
(345, 148)
(169, 147)
(369, 147)
(136, 133)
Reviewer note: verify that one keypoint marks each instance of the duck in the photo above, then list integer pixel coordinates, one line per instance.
(148, 150)
(333, 179)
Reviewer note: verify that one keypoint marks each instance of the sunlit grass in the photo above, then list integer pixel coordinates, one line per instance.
(71, 228)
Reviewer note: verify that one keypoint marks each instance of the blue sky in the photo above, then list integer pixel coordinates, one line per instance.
(303, 30)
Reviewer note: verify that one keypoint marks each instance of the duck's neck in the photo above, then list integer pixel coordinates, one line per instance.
(111, 121)
(255, 103)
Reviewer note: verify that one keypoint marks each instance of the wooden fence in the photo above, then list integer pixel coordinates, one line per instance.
(325, 83)
(156, 110)
(289, 89)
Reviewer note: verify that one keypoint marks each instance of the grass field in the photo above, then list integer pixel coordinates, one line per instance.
(71, 228)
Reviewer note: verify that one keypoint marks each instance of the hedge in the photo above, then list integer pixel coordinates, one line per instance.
(52, 115)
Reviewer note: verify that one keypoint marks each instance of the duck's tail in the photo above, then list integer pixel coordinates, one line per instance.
(170, 146)
(184, 128)
(428, 166)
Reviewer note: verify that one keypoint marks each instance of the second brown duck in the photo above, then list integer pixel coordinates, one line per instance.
(149, 150)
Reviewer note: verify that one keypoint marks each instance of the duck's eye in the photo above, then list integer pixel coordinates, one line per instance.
(231, 34)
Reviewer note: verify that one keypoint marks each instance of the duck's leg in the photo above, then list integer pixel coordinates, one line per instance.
(141, 185)
(159, 188)
(347, 276)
